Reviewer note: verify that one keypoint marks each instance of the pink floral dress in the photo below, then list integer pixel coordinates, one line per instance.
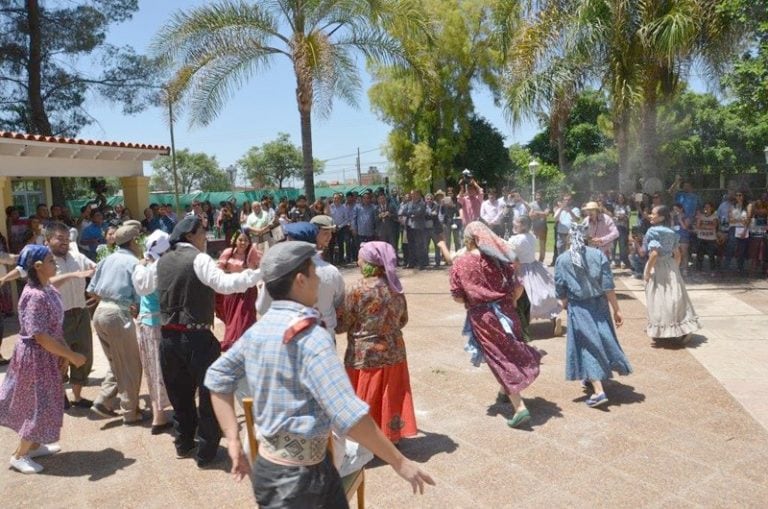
(31, 397)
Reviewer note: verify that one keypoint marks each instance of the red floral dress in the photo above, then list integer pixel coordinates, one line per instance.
(487, 287)
(375, 358)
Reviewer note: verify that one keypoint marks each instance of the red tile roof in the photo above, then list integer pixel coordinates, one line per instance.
(78, 141)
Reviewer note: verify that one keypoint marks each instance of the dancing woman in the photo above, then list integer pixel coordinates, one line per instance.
(375, 313)
(670, 312)
(30, 396)
(484, 281)
(584, 284)
(538, 299)
(238, 310)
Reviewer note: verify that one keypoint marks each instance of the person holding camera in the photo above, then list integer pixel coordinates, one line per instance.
(470, 198)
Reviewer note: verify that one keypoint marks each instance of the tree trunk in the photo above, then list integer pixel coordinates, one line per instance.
(38, 118)
(649, 140)
(621, 135)
(561, 160)
(306, 152)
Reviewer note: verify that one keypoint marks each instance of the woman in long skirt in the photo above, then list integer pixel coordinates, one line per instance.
(538, 300)
(143, 276)
(30, 396)
(584, 283)
(238, 310)
(670, 312)
(484, 281)
(374, 316)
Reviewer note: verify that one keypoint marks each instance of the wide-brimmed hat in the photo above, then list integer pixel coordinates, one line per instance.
(439, 192)
(591, 205)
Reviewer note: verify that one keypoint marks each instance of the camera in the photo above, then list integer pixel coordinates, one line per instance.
(466, 177)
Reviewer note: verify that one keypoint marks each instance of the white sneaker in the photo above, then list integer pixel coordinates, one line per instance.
(44, 450)
(25, 465)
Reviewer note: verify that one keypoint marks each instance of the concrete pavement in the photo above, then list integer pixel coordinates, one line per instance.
(683, 430)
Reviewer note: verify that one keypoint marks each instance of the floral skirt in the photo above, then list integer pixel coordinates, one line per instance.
(32, 396)
(387, 390)
(149, 350)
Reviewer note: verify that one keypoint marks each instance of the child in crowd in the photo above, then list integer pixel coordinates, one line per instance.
(706, 229)
(637, 254)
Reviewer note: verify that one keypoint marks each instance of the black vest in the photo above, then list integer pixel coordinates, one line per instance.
(184, 299)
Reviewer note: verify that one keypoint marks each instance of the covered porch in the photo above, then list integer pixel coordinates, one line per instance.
(27, 162)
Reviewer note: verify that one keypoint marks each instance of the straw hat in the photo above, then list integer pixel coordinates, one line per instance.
(591, 205)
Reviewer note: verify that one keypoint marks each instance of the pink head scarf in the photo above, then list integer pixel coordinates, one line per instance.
(383, 255)
(488, 242)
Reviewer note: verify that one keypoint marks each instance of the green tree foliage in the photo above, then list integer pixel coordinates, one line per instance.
(485, 153)
(640, 52)
(274, 162)
(583, 132)
(704, 137)
(196, 172)
(215, 49)
(747, 83)
(549, 179)
(43, 48)
(429, 105)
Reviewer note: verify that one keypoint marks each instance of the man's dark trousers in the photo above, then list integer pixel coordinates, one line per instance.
(184, 359)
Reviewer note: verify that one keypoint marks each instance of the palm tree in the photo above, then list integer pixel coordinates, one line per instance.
(214, 49)
(639, 51)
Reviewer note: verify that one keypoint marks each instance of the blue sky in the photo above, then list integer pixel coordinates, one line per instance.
(264, 107)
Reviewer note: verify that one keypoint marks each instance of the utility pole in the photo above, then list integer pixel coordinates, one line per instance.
(359, 174)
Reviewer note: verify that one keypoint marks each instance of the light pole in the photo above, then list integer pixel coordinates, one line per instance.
(533, 166)
(169, 100)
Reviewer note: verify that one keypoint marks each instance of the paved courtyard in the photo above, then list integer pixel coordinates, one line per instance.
(689, 428)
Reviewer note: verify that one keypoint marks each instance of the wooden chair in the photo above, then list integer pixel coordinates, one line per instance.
(353, 484)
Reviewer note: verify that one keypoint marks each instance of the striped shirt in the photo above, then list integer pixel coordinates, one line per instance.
(299, 388)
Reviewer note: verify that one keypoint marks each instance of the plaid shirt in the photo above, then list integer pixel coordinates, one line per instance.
(300, 387)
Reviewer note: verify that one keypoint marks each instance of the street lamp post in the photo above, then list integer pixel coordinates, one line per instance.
(533, 166)
(169, 100)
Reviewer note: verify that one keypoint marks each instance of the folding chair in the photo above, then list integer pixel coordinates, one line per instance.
(353, 484)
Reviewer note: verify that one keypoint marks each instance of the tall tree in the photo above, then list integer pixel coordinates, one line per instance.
(214, 49)
(485, 153)
(429, 105)
(274, 162)
(197, 171)
(42, 82)
(641, 53)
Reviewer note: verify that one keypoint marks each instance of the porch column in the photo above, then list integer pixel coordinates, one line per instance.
(135, 194)
(5, 199)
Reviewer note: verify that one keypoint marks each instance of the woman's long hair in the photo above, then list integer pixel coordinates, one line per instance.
(233, 247)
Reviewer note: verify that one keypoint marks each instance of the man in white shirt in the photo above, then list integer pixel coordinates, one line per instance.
(565, 214)
(332, 289)
(492, 213)
(71, 270)
(187, 279)
(258, 226)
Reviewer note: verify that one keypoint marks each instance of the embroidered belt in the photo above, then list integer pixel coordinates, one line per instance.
(288, 449)
(187, 327)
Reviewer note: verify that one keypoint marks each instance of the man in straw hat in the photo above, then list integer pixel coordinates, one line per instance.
(187, 279)
(113, 322)
(300, 392)
(601, 230)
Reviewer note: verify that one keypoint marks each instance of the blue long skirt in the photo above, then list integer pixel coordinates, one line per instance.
(592, 350)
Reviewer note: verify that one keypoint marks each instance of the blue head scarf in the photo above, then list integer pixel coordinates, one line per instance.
(303, 231)
(30, 254)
